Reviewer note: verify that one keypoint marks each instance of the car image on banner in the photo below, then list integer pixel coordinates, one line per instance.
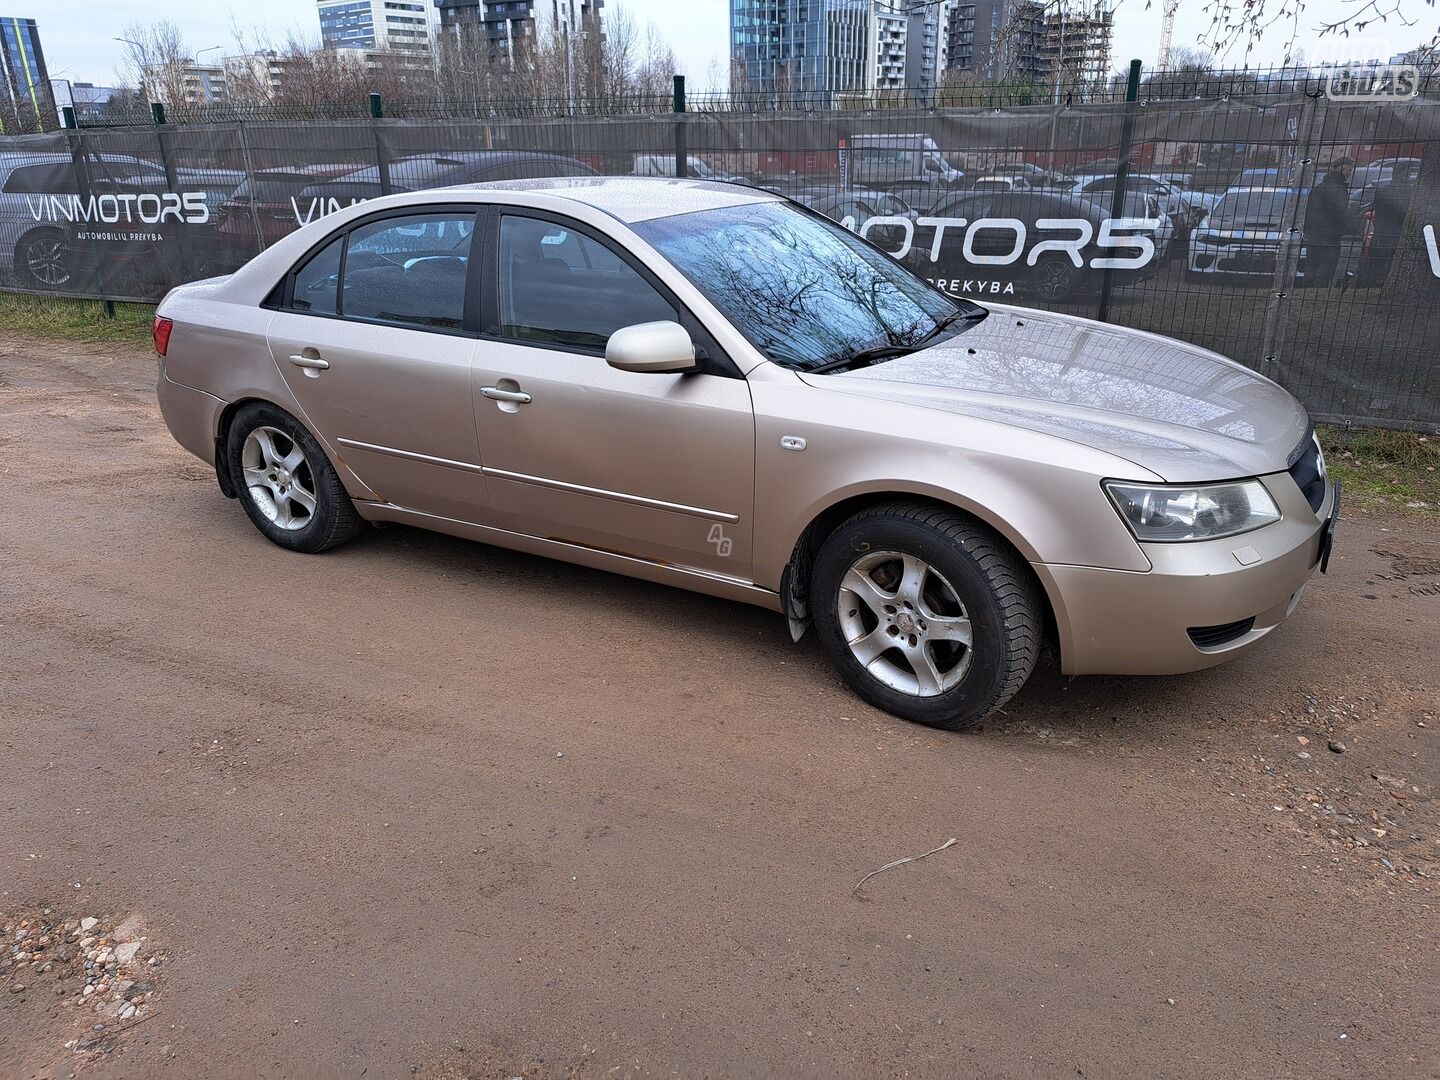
(115, 220)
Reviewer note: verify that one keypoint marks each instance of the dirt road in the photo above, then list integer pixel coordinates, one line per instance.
(425, 807)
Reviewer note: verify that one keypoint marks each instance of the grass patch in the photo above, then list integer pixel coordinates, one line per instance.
(76, 320)
(1389, 471)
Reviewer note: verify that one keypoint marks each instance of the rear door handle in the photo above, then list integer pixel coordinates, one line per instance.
(309, 358)
(494, 393)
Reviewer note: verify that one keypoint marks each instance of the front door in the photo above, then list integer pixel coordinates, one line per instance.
(375, 352)
(654, 466)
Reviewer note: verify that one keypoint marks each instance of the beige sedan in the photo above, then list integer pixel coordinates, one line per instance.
(711, 387)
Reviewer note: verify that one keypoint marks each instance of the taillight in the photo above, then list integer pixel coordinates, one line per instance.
(160, 334)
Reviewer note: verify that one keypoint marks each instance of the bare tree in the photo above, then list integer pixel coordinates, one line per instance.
(586, 68)
(155, 61)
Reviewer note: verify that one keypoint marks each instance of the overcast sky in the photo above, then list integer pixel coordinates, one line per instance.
(77, 35)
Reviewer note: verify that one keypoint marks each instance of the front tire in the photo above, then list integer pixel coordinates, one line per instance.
(42, 260)
(286, 484)
(926, 613)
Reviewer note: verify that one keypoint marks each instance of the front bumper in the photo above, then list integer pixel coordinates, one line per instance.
(1116, 622)
(1256, 258)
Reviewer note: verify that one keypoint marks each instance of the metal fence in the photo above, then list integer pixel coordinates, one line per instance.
(1230, 227)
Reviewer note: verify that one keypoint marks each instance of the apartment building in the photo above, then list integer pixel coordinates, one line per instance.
(508, 24)
(836, 46)
(375, 24)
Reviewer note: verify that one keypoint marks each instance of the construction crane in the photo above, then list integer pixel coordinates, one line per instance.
(1167, 31)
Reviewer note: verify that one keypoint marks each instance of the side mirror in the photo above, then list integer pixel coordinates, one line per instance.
(654, 347)
(931, 165)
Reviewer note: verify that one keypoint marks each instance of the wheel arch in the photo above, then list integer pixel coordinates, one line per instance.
(353, 485)
(795, 580)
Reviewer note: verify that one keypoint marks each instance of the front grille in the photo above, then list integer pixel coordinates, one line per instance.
(1211, 637)
(1307, 472)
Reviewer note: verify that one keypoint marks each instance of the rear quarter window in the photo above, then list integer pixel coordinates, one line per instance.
(317, 283)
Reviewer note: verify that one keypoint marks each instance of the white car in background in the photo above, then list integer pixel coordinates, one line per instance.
(1241, 236)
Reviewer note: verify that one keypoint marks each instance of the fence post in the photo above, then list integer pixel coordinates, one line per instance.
(250, 186)
(157, 113)
(382, 154)
(183, 270)
(1122, 171)
(1287, 259)
(76, 139)
(682, 152)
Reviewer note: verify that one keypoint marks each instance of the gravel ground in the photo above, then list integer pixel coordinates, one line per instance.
(423, 807)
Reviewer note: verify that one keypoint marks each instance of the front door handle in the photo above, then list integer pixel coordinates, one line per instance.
(310, 359)
(494, 393)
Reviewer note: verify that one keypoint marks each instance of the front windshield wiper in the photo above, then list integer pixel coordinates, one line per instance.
(862, 358)
(865, 357)
(949, 320)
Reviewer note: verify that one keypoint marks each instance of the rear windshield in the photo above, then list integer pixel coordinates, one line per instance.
(273, 187)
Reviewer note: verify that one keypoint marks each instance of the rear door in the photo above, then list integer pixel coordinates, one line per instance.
(372, 341)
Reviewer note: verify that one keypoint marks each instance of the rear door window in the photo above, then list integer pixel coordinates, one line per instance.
(409, 271)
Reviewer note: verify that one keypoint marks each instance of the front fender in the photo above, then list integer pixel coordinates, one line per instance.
(1041, 493)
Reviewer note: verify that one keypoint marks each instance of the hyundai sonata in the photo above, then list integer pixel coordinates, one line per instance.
(712, 387)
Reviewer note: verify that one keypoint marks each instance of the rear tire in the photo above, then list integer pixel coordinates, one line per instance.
(1057, 279)
(287, 485)
(926, 613)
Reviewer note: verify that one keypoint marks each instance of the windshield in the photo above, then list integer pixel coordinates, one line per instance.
(802, 290)
(1251, 209)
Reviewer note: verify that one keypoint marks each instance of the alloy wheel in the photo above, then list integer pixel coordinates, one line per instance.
(45, 261)
(278, 477)
(1057, 278)
(904, 623)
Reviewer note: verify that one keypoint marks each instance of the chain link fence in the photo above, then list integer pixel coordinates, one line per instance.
(1293, 232)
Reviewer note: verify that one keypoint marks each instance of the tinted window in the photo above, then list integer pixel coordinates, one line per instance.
(317, 281)
(55, 179)
(562, 288)
(409, 270)
(803, 290)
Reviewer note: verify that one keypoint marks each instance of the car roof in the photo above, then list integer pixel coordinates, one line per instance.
(635, 198)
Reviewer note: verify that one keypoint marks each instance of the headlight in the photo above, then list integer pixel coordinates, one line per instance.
(1166, 514)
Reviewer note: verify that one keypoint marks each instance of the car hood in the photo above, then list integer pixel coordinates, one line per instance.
(1181, 412)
